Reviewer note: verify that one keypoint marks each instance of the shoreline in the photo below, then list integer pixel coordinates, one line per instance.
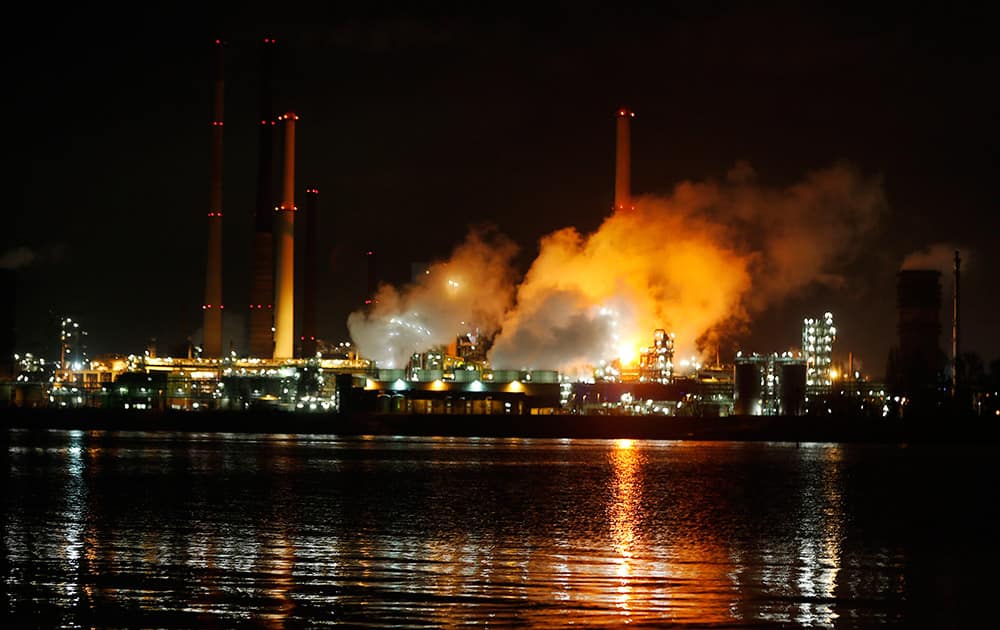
(732, 428)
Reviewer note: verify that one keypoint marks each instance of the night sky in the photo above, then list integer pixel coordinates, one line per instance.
(417, 124)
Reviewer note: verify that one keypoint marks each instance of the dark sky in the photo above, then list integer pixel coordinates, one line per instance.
(417, 123)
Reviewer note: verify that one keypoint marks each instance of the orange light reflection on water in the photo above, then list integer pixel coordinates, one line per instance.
(678, 575)
(623, 515)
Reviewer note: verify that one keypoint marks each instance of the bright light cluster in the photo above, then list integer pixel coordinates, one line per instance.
(818, 335)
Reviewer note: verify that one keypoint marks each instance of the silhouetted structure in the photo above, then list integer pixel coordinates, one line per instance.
(623, 165)
(915, 365)
(212, 307)
(956, 343)
(372, 287)
(770, 385)
(8, 280)
(262, 285)
(308, 337)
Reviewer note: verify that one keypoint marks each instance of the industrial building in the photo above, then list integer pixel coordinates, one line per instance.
(818, 336)
(916, 365)
(770, 385)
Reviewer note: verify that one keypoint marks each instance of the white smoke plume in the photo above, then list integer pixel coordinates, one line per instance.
(470, 290)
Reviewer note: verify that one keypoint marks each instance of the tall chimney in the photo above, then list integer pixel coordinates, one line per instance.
(284, 252)
(956, 346)
(262, 285)
(212, 307)
(623, 190)
(370, 300)
(309, 275)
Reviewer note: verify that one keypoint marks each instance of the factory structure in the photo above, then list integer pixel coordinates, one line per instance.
(289, 369)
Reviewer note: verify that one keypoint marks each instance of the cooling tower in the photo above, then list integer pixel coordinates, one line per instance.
(918, 295)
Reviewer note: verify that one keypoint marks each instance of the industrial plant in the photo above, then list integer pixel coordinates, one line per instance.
(293, 370)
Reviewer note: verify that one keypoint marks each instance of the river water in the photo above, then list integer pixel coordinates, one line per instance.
(221, 530)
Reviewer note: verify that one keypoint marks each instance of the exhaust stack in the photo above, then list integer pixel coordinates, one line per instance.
(309, 276)
(372, 288)
(284, 252)
(212, 307)
(956, 346)
(262, 286)
(623, 163)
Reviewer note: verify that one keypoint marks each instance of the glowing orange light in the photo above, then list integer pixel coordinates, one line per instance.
(626, 354)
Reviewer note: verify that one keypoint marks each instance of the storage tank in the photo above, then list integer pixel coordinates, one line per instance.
(385, 374)
(542, 376)
(506, 376)
(792, 388)
(427, 376)
(466, 376)
(746, 397)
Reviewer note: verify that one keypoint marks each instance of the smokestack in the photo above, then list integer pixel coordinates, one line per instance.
(623, 163)
(284, 252)
(262, 285)
(309, 275)
(372, 280)
(212, 307)
(956, 346)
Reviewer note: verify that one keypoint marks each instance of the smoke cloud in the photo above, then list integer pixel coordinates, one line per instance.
(699, 262)
(939, 256)
(472, 289)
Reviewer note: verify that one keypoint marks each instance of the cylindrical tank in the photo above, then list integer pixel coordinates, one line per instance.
(543, 376)
(746, 397)
(426, 376)
(466, 376)
(506, 376)
(390, 375)
(792, 388)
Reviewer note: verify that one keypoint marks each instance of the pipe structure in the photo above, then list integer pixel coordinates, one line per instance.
(308, 336)
(212, 307)
(623, 162)
(956, 342)
(261, 318)
(284, 252)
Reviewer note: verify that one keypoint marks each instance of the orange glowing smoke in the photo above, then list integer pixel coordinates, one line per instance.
(706, 256)
(701, 260)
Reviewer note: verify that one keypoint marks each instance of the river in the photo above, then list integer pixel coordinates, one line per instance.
(193, 530)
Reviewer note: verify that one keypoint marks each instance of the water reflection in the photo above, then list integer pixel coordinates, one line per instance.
(182, 530)
(623, 512)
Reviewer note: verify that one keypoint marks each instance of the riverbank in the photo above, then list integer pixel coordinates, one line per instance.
(738, 428)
